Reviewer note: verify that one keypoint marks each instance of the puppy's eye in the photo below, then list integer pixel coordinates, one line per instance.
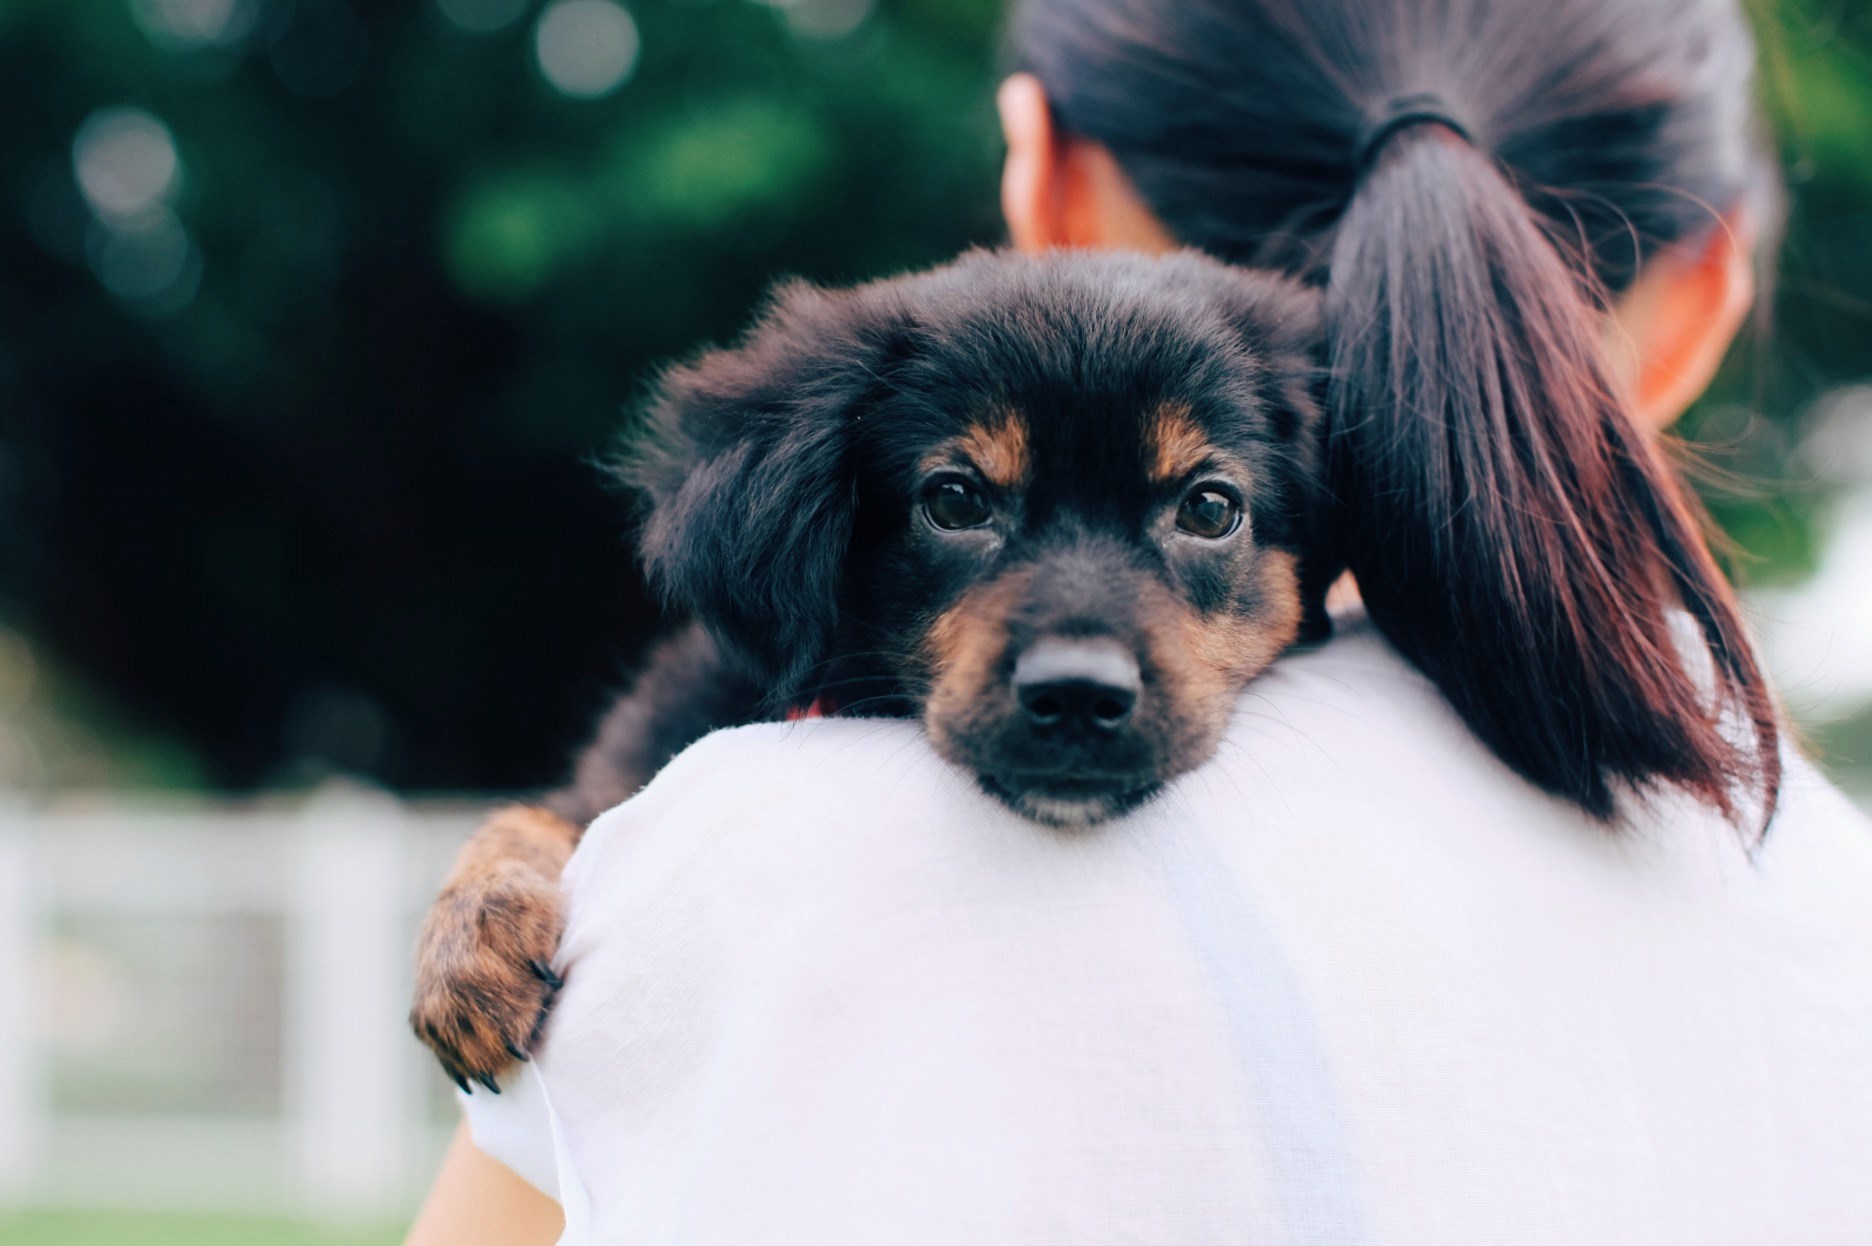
(954, 504)
(1210, 514)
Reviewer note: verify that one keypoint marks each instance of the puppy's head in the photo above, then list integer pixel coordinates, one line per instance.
(1057, 504)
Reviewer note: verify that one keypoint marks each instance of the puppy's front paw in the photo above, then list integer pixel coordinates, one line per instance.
(484, 980)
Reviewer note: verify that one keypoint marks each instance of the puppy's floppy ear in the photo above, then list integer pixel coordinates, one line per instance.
(748, 463)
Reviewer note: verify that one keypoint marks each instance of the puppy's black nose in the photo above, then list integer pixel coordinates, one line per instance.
(1081, 681)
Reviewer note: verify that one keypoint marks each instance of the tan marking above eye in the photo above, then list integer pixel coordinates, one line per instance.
(1177, 448)
(1176, 443)
(998, 448)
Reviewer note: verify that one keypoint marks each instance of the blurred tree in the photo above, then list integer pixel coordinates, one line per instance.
(315, 314)
(297, 448)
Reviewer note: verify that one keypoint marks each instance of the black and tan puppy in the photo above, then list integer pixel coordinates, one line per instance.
(1055, 507)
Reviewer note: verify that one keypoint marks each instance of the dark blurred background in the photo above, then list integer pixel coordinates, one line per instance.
(315, 313)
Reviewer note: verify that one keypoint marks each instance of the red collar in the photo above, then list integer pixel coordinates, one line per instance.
(822, 706)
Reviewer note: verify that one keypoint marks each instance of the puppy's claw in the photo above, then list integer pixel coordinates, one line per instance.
(483, 988)
(461, 1081)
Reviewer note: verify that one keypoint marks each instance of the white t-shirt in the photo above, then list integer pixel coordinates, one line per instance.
(1351, 982)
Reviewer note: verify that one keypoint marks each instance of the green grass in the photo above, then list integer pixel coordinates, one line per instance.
(102, 1228)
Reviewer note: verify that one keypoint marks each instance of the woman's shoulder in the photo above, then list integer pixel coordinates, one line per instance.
(1347, 734)
(1351, 927)
(1348, 706)
(1355, 680)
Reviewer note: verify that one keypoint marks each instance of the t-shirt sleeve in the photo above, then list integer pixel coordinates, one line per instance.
(515, 1128)
(685, 807)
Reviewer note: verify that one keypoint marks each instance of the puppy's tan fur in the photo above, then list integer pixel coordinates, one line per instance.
(484, 976)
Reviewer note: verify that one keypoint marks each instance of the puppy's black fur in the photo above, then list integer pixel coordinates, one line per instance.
(1058, 507)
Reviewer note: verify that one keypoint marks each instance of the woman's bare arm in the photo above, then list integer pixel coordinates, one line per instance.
(477, 1201)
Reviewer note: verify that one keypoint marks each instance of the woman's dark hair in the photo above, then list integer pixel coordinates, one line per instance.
(1473, 181)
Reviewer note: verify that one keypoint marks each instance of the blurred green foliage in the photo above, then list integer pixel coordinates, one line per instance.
(295, 457)
(325, 499)
(1816, 91)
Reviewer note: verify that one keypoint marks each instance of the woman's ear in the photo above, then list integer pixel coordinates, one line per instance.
(1058, 190)
(748, 466)
(1675, 324)
(1030, 178)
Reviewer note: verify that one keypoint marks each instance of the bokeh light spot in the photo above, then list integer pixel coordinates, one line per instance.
(736, 164)
(149, 261)
(1838, 448)
(482, 17)
(195, 23)
(824, 19)
(510, 235)
(125, 161)
(585, 48)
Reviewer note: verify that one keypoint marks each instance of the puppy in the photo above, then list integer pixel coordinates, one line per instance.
(1055, 507)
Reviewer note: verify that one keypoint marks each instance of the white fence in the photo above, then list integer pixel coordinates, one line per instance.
(203, 1006)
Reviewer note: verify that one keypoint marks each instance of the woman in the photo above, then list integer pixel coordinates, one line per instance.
(1380, 972)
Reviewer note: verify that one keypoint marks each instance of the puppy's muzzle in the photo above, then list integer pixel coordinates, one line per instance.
(1073, 751)
(1073, 686)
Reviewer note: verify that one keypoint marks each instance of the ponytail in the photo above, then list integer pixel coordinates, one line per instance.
(1512, 532)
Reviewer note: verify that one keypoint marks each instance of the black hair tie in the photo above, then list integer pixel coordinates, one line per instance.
(1400, 114)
